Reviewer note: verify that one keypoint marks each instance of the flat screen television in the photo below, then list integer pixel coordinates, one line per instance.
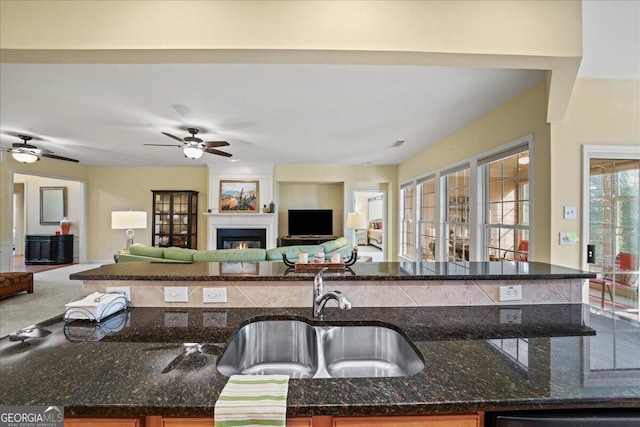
(310, 222)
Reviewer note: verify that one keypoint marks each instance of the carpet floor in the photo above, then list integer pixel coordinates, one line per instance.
(52, 290)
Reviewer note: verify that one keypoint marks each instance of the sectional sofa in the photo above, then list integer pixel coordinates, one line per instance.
(139, 252)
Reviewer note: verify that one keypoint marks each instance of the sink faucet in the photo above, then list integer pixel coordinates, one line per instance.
(320, 298)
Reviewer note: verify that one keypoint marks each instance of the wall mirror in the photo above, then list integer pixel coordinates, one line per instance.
(53, 205)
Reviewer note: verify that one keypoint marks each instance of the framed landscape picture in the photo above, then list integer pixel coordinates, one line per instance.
(239, 196)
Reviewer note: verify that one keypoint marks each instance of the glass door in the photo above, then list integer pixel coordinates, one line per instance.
(614, 233)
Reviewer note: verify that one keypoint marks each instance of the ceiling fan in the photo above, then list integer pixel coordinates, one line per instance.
(27, 153)
(193, 147)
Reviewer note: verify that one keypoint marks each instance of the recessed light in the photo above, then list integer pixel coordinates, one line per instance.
(397, 143)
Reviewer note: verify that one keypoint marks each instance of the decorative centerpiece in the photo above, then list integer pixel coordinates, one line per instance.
(316, 265)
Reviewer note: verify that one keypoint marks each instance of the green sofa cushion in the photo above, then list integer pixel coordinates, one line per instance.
(179, 254)
(144, 250)
(292, 252)
(144, 253)
(222, 255)
(139, 258)
(334, 245)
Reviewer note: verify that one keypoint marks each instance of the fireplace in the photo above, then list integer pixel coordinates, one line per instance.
(241, 238)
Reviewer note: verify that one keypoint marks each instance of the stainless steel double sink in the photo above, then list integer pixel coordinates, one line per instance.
(301, 350)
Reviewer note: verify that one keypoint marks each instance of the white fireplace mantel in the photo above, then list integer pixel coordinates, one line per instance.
(267, 221)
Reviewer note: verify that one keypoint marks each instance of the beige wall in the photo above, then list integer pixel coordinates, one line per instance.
(310, 196)
(352, 178)
(75, 203)
(112, 189)
(477, 27)
(44, 168)
(602, 112)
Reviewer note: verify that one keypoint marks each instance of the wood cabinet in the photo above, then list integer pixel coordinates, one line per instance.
(467, 420)
(187, 422)
(48, 249)
(104, 422)
(175, 218)
(464, 420)
(208, 422)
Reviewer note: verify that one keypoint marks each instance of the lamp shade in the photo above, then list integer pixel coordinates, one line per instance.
(192, 152)
(123, 220)
(356, 220)
(24, 157)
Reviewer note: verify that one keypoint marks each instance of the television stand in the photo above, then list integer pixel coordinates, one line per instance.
(307, 239)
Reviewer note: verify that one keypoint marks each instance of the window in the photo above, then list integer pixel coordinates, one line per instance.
(507, 205)
(407, 241)
(427, 219)
(457, 190)
(478, 210)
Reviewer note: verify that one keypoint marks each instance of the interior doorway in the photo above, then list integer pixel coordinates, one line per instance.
(613, 229)
(372, 241)
(26, 215)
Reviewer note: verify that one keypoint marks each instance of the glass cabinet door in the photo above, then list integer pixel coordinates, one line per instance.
(175, 218)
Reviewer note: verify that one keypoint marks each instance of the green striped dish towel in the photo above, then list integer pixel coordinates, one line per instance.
(253, 400)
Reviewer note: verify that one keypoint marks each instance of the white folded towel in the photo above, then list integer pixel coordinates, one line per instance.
(253, 400)
(95, 306)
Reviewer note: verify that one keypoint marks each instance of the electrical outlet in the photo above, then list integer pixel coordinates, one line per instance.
(510, 293)
(214, 294)
(510, 315)
(125, 290)
(176, 294)
(570, 212)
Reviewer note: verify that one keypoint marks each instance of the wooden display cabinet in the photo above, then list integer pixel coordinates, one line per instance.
(175, 218)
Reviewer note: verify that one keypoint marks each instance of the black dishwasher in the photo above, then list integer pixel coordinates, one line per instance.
(586, 418)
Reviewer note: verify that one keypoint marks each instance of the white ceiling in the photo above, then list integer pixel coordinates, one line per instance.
(102, 114)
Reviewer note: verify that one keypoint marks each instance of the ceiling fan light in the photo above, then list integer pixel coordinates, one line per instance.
(24, 157)
(192, 152)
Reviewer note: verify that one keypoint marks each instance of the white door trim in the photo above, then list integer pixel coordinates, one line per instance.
(597, 152)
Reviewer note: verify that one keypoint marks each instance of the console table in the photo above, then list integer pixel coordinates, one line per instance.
(305, 240)
(48, 249)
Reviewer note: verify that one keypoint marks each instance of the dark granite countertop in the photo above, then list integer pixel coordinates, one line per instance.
(381, 271)
(469, 364)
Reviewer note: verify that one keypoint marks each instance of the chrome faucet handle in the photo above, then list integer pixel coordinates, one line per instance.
(343, 301)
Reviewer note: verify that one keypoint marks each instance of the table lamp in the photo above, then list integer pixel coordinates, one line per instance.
(128, 220)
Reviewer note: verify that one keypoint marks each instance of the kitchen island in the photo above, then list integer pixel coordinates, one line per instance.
(478, 359)
(392, 284)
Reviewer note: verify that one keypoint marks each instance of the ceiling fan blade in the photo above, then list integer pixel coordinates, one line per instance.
(172, 136)
(165, 145)
(66, 159)
(211, 144)
(218, 152)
